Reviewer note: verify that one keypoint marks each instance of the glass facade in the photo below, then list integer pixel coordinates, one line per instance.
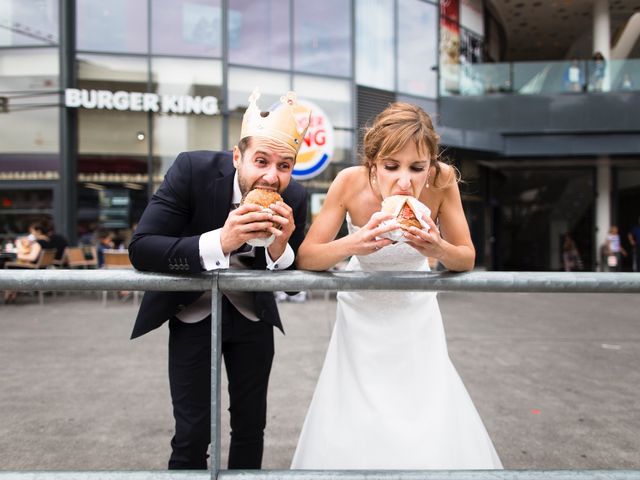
(186, 27)
(32, 23)
(145, 68)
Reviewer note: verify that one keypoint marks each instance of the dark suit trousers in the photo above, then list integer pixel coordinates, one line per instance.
(247, 348)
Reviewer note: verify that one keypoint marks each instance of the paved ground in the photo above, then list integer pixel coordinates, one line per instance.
(555, 378)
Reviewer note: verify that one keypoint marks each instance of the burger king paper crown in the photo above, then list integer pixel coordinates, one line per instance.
(288, 122)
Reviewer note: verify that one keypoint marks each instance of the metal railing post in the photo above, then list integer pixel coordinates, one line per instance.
(216, 372)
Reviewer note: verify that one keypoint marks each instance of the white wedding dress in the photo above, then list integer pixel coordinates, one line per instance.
(388, 396)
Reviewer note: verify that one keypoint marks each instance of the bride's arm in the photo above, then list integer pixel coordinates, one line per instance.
(451, 244)
(320, 250)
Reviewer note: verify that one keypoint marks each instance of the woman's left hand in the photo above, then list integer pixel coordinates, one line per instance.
(427, 242)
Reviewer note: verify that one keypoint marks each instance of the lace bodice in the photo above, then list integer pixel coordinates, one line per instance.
(396, 257)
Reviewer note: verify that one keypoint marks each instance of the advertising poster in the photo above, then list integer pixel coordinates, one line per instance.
(449, 46)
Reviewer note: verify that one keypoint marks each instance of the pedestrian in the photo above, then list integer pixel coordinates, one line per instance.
(634, 241)
(570, 255)
(614, 250)
(573, 77)
(193, 224)
(598, 70)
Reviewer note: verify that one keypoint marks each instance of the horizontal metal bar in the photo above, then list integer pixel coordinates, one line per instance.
(546, 282)
(553, 282)
(61, 279)
(331, 474)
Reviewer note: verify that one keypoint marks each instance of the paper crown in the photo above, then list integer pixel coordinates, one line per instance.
(288, 122)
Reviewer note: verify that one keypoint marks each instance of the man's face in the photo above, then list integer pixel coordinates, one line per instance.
(266, 163)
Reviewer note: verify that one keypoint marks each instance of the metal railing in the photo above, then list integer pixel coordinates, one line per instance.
(542, 282)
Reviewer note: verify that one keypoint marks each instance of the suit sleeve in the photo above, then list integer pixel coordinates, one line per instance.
(158, 244)
(300, 217)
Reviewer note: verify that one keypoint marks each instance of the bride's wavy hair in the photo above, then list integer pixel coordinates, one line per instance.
(393, 128)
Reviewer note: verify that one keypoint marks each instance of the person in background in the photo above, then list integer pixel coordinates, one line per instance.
(28, 250)
(598, 67)
(56, 240)
(614, 250)
(573, 79)
(634, 241)
(104, 241)
(570, 255)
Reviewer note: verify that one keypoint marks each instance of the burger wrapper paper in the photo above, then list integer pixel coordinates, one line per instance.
(262, 242)
(419, 209)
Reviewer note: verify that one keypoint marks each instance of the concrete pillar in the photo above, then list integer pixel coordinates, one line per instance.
(602, 35)
(603, 204)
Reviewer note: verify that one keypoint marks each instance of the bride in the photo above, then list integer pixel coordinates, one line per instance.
(388, 396)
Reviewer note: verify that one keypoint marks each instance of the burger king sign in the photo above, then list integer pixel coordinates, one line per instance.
(317, 148)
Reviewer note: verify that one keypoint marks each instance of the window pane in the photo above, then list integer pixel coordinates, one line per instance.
(259, 33)
(112, 25)
(322, 36)
(417, 48)
(187, 27)
(33, 22)
(173, 133)
(331, 95)
(29, 129)
(374, 44)
(472, 16)
(112, 140)
(242, 81)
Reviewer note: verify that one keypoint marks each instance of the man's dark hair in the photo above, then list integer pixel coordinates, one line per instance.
(244, 144)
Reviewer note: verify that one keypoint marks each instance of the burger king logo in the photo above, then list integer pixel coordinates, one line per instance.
(317, 148)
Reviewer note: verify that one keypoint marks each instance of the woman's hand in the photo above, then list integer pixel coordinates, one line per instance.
(428, 243)
(363, 242)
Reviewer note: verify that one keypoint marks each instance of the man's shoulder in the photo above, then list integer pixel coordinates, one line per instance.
(294, 190)
(202, 157)
(201, 162)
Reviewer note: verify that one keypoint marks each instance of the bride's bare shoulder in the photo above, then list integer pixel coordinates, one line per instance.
(350, 179)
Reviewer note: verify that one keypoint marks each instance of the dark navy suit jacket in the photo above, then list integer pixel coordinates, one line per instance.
(194, 198)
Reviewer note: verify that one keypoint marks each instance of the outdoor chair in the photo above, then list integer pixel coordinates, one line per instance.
(46, 259)
(76, 257)
(117, 259)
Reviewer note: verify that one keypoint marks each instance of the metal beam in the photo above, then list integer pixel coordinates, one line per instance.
(263, 281)
(334, 474)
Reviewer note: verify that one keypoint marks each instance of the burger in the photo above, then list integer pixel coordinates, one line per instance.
(403, 208)
(263, 197)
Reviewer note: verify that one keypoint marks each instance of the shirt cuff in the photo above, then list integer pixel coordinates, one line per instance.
(282, 263)
(211, 255)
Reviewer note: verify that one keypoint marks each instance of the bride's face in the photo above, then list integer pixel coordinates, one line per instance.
(404, 173)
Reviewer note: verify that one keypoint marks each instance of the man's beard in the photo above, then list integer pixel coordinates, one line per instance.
(246, 187)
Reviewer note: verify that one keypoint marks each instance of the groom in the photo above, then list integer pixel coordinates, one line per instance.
(193, 224)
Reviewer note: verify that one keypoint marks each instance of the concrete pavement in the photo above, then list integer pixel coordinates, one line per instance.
(555, 377)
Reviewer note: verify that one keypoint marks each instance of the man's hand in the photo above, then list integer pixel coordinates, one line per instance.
(284, 217)
(243, 224)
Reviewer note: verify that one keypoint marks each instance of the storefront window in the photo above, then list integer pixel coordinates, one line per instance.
(174, 133)
(531, 212)
(28, 23)
(29, 136)
(331, 95)
(417, 48)
(259, 33)
(187, 27)
(112, 140)
(242, 81)
(374, 44)
(112, 25)
(322, 37)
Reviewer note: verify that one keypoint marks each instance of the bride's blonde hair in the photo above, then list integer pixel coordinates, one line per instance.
(396, 125)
